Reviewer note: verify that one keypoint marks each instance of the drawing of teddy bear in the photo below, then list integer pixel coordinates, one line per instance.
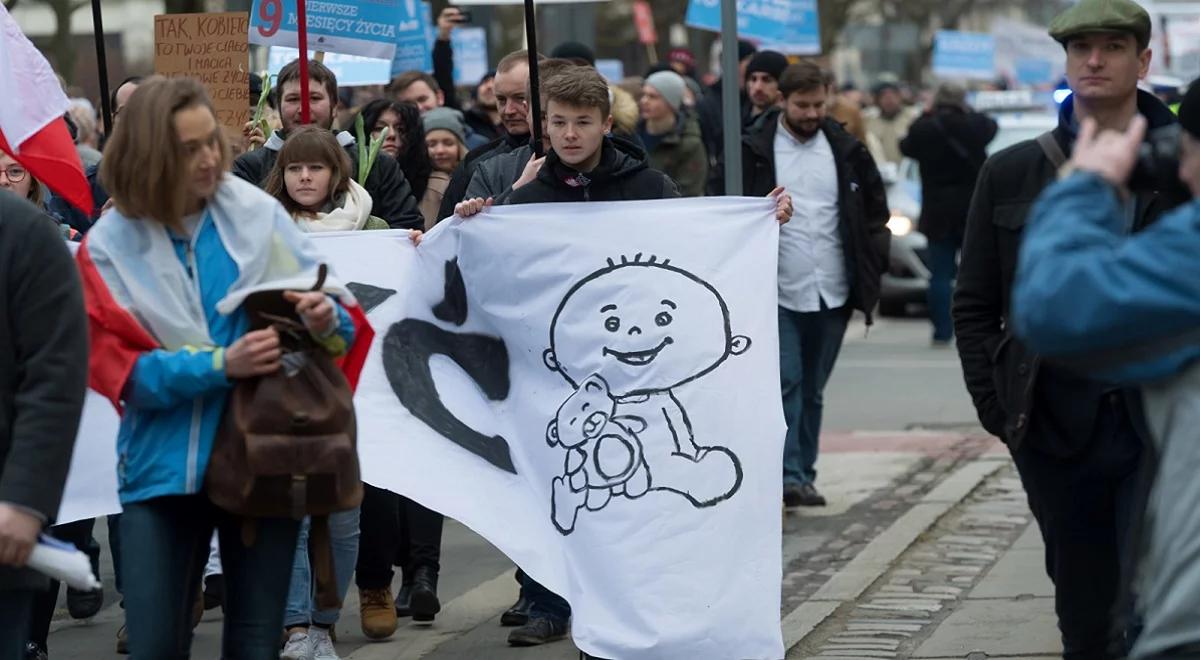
(604, 455)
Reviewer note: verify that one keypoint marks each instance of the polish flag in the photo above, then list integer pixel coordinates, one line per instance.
(32, 129)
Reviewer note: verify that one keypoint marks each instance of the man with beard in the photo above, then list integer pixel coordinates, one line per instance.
(762, 81)
(831, 257)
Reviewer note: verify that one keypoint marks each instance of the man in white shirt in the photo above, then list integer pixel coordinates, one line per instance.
(831, 255)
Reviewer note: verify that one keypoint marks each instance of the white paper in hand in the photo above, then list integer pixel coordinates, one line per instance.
(61, 561)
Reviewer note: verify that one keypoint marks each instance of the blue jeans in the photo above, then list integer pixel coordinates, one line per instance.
(164, 547)
(809, 343)
(301, 609)
(543, 602)
(16, 611)
(943, 268)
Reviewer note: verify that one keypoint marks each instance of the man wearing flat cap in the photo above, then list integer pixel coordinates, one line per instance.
(1129, 306)
(1076, 439)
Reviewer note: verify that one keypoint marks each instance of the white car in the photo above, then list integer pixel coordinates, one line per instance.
(907, 279)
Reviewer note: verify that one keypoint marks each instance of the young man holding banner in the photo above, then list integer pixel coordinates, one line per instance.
(584, 164)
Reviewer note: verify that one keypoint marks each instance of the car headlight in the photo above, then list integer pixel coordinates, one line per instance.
(900, 224)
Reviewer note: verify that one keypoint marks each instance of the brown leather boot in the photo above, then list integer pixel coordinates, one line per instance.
(378, 613)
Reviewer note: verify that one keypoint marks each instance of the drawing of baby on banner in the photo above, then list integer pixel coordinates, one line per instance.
(599, 382)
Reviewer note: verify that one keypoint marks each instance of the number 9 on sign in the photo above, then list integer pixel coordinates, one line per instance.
(271, 14)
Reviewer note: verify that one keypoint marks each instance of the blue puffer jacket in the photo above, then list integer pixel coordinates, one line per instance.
(1123, 306)
(174, 399)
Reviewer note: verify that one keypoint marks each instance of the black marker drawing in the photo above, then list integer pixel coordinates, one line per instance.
(625, 337)
(369, 296)
(408, 347)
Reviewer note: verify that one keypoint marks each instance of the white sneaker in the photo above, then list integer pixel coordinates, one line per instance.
(299, 647)
(322, 646)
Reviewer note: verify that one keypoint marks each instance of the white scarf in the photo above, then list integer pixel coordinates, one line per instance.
(141, 271)
(351, 216)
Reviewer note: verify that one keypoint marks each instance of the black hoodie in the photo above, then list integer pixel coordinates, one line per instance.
(621, 175)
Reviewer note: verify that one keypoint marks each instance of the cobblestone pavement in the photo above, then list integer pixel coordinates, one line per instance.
(906, 605)
(804, 573)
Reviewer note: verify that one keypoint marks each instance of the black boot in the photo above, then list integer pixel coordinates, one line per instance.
(424, 601)
(86, 604)
(517, 615)
(404, 601)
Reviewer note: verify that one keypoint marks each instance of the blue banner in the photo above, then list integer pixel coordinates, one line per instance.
(1034, 71)
(414, 41)
(470, 55)
(368, 29)
(790, 26)
(969, 55)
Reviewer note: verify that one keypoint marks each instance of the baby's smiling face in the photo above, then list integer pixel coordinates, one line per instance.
(644, 327)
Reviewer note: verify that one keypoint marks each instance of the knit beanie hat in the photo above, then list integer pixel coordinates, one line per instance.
(670, 85)
(768, 62)
(447, 119)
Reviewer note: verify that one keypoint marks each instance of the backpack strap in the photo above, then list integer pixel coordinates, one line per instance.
(320, 557)
(1052, 149)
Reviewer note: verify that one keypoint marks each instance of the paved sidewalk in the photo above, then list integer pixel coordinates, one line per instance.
(972, 586)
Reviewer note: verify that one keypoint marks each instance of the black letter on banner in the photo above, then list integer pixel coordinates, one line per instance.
(453, 308)
(407, 349)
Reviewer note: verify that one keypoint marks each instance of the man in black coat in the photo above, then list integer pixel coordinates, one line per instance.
(950, 144)
(391, 194)
(1076, 441)
(43, 378)
(830, 262)
(710, 108)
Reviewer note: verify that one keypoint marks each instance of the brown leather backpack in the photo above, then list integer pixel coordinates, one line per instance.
(286, 446)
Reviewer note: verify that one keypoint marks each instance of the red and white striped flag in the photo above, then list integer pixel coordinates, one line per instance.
(32, 129)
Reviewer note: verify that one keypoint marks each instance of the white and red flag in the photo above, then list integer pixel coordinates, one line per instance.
(32, 129)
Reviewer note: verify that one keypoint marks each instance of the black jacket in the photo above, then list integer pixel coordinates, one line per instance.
(862, 201)
(43, 366)
(1004, 378)
(621, 175)
(950, 145)
(456, 191)
(711, 112)
(391, 194)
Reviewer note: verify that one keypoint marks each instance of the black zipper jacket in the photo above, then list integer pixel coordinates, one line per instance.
(1004, 378)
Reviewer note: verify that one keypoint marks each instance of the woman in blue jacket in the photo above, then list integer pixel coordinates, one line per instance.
(165, 272)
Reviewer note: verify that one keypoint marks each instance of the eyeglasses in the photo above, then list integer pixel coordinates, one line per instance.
(15, 173)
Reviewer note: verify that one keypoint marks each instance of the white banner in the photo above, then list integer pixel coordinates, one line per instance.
(594, 388)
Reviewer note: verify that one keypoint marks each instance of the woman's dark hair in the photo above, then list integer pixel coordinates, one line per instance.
(414, 156)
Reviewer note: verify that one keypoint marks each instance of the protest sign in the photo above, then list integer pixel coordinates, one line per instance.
(788, 26)
(351, 70)
(212, 49)
(970, 55)
(603, 405)
(414, 43)
(470, 55)
(368, 29)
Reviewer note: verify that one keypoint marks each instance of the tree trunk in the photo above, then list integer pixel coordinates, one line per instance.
(61, 45)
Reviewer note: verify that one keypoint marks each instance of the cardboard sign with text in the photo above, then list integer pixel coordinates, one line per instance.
(211, 48)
